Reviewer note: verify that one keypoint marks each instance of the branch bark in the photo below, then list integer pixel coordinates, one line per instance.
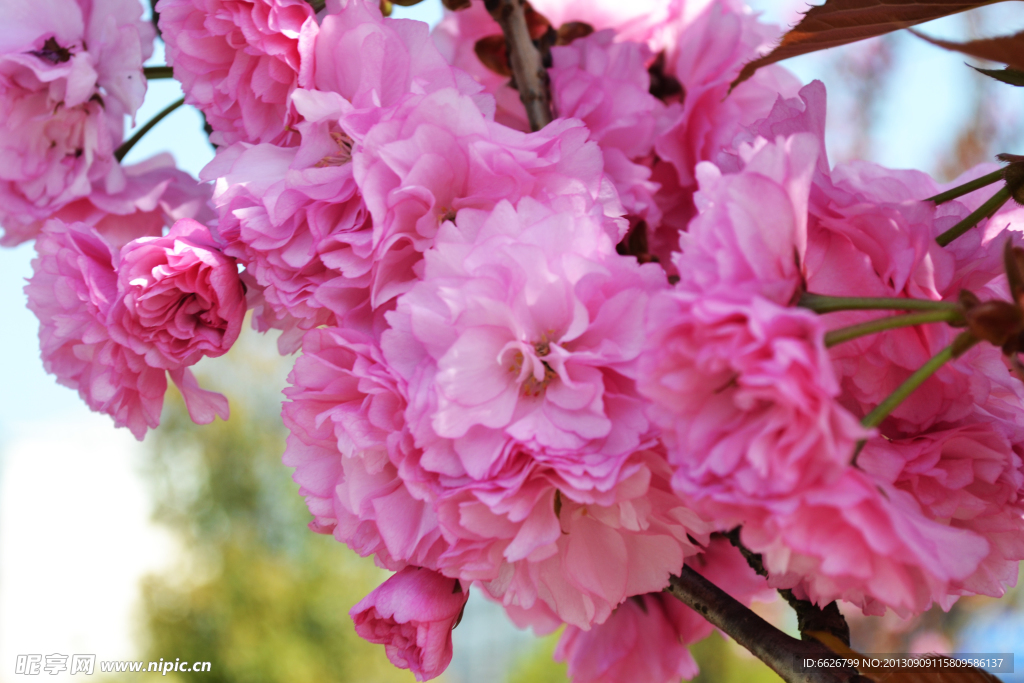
(809, 617)
(782, 653)
(528, 70)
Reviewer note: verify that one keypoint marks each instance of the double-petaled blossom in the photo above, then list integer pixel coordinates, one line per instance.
(154, 195)
(646, 636)
(178, 298)
(438, 154)
(239, 61)
(114, 323)
(70, 71)
(518, 347)
(354, 458)
(412, 614)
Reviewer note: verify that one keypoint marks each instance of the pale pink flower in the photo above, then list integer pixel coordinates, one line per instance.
(746, 397)
(155, 195)
(70, 71)
(751, 234)
(412, 614)
(606, 85)
(646, 636)
(541, 544)
(524, 330)
(301, 230)
(438, 154)
(374, 62)
(179, 298)
(239, 61)
(705, 53)
(354, 457)
(970, 478)
(858, 539)
(72, 291)
(871, 235)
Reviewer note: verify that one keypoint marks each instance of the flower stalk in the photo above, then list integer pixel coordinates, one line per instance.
(959, 346)
(127, 145)
(986, 210)
(822, 303)
(844, 334)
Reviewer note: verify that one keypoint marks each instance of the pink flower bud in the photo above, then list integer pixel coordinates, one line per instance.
(412, 614)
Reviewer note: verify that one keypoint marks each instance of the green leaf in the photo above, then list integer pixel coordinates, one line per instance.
(839, 22)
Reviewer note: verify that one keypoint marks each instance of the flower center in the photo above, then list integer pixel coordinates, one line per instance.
(533, 374)
(342, 156)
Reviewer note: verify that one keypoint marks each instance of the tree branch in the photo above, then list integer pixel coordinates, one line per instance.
(528, 70)
(809, 617)
(782, 653)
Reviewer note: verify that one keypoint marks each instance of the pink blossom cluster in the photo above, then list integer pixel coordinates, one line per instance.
(552, 366)
(121, 301)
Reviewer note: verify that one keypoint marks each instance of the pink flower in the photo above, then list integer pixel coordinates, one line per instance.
(751, 234)
(871, 235)
(606, 85)
(438, 154)
(646, 636)
(412, 614)
(239, 61)
(524, 330)
(746, 396)
(179, 298)
(540, 543)
(861, 540)
(301, 230)
(970, 478)
(154, 196)
(374, 62)
(70, 71)
(641, 641)
(352, 451)
(72, 291)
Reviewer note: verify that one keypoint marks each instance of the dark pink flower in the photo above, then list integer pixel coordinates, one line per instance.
(179, 298)
(412, 614)
(73, 289)
(239, 61)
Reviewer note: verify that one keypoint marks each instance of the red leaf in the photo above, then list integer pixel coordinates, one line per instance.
(839, 22)
(1008, 50)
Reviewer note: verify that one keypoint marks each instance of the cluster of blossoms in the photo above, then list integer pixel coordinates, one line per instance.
(552, 366)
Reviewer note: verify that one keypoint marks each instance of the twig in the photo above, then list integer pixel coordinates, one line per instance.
(782, 653)
(527, 65)
(809, 617)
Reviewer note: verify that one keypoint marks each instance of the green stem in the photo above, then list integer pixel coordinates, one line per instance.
(875, 417)
(822, 303)
(154, 72)
(127, 145)
(891, 323)
(983, 212)
(317, 5)
(967, 188)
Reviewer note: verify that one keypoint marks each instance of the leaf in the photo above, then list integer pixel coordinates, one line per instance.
(1011, 76)
(839, 22)
(1007, 50)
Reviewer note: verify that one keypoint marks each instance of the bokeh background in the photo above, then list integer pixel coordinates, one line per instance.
(193, 544)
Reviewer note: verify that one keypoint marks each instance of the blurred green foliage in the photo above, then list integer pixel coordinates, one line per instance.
(254, 592)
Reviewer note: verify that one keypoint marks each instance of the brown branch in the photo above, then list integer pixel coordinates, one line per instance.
(528, 70)
(809, 617)
(782, 653)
